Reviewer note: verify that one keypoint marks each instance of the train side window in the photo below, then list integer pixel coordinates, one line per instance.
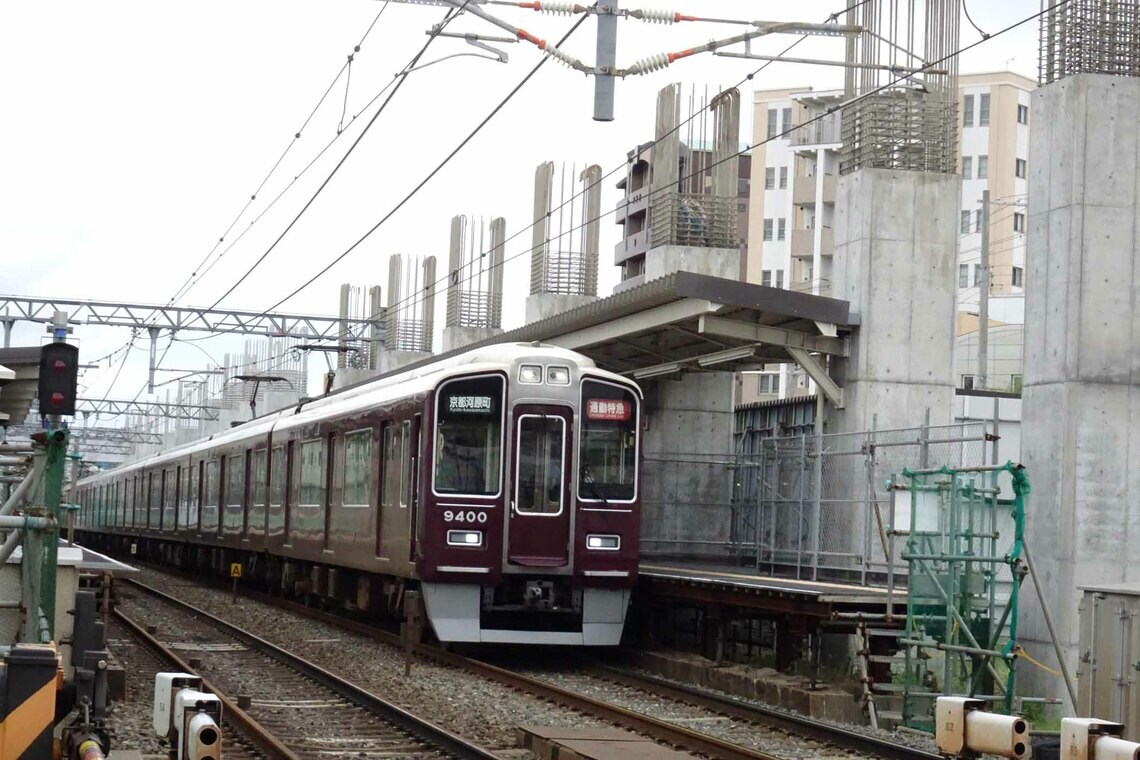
(277, 473)
(210, 491)
(405, 463)
(194, 497)
(312, 473)
(259, 475)
(357, 468)
(390, 490)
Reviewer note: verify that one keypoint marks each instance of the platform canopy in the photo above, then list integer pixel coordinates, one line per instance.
(687, 321)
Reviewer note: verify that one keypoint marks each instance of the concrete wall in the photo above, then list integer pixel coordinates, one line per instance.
(896, 258)
(543, 305)
(685, 496)
(716, 262)
(458, 336)
(1082, 335)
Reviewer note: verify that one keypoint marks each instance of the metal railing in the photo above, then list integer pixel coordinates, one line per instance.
(808, 506)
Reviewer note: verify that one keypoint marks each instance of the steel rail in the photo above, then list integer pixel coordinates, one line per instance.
(669, 733)
(260, 736)
(739, 709)
(427, 731)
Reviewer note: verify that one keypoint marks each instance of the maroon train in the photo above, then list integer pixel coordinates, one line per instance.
(502, 484)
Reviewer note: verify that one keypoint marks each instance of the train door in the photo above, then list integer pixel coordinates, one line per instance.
(538, 533)
(409, 482)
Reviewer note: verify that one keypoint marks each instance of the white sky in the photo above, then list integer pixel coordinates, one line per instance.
(133, 133)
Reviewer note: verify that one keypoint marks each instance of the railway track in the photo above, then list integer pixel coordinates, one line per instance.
(295, 710)
(771, 725)
(140, 661)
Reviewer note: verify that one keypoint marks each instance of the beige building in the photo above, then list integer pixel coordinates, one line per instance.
(792, 202)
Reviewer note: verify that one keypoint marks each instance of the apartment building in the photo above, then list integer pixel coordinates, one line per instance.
(792, 208)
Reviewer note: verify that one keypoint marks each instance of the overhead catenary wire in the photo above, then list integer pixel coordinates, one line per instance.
(432, 35)
(603, 178)
(197, 272)
(703, 168)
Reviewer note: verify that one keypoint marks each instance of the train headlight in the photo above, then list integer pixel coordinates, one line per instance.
(558, 375)
(531, 374)
(464, 538)
(605, 542)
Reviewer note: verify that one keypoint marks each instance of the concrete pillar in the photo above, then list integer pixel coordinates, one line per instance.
(1081, 392)
(685, 485)
(896, 257)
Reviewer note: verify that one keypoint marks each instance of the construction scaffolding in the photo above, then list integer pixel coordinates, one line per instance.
(410, 319)
(962, 530)
(1090, 37)
(475, 273)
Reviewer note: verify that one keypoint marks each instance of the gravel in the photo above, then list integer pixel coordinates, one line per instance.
(466, 704)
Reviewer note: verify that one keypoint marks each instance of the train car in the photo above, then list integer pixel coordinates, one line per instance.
(502, 485)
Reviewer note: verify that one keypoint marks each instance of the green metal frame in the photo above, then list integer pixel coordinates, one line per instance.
(962, 588)
(41, 545)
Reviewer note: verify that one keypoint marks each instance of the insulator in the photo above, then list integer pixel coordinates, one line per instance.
(559, 8)
(655, 15)
(562, 57)
(650, 64)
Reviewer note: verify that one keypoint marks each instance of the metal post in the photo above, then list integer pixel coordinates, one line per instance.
(9, 323)
(818, 477)
(984, 297)
(21, 490)
(154, 331)
(607, 60)
(924, 441)
(41, 544)
(1049, 623)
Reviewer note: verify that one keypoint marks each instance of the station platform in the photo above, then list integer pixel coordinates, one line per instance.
(734, 586)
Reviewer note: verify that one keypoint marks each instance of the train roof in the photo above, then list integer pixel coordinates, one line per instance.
(415, 380)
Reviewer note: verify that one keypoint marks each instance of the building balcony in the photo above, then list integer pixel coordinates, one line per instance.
(827, 132)
(631, 246)
(803, 243)
(633, 204)
(803, 190)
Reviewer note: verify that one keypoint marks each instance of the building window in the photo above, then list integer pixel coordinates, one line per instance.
(1015, 383)
(783, 177)
(787, 122)
(779, 278)
(977, 275)
(1018, 222)
(1020, 168)
(1022, 114)
(1018, 277)
(965, 222)
(983, 167)
(769, 384)
(781, 228)
(978, 221)
(983, 110)
(967, 111)
(766, 278)
(767, 229)
(968, 382)
(964, 275)
(967, 167)
(773, 126)
(770, 178)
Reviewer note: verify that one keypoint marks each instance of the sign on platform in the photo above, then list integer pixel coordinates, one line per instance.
(134, 549)
(235, 569)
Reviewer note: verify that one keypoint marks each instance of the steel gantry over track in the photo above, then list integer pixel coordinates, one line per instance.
(185, 318)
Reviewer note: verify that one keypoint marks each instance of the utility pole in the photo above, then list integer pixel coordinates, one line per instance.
(607, 13)
(984, 297)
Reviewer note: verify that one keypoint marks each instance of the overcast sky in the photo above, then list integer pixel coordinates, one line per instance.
(134, 133)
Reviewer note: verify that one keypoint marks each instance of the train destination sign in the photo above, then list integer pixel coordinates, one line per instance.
(470, 404)
(607, 409)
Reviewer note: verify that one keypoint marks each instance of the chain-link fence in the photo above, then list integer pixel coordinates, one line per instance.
(809, 506)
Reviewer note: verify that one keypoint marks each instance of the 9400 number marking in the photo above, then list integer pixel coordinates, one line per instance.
(470, 516)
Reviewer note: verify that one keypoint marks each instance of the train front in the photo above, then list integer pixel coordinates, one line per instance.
(531, 525)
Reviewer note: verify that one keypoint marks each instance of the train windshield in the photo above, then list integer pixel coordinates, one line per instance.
(608, 458)
(468, 436)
